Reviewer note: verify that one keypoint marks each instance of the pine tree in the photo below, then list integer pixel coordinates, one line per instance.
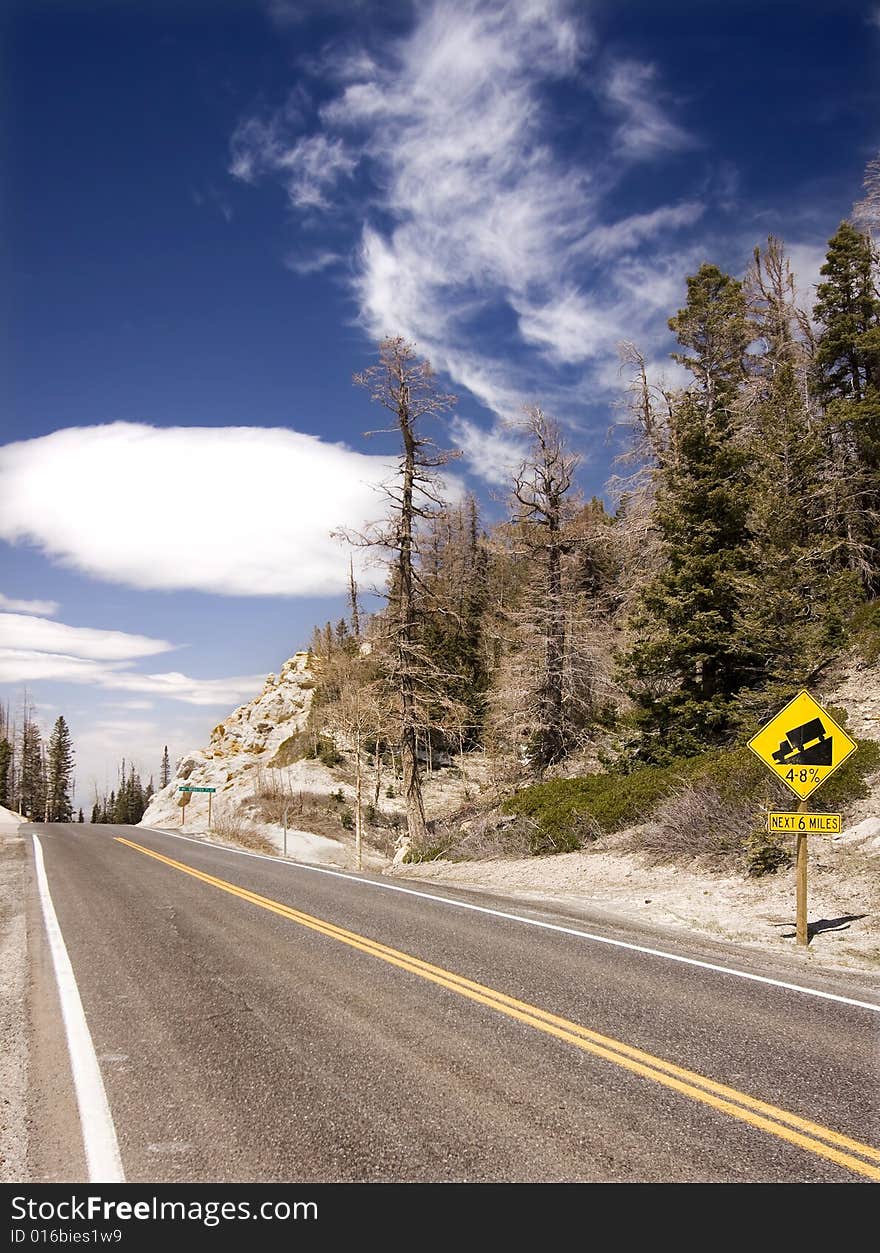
(31, 780)
(353, 608)
(165, 769)
(80, 817)
(847, 379)
(797, 597)
(5, 773)
(59, 806)
(453, 583)
(690, 660)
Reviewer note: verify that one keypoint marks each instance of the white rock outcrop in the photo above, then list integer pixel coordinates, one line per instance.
(237, 759)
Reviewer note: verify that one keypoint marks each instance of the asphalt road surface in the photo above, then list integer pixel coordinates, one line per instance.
(261, 1021)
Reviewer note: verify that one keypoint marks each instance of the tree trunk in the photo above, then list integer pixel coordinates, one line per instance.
(358, 807)
(416, 827)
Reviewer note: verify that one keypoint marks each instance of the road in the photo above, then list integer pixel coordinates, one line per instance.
(261, 1021)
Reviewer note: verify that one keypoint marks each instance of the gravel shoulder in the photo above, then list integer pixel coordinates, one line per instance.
(843, 903)
(13, 1007)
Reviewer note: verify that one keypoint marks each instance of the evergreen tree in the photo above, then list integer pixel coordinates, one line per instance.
(31, 782)
(59, 806)
(165, 769)
(690, 659)
(847, 378)
(97, 812)
(453, 582)
(5, 773)
(797, 598)
(80, 817)
(353, 608)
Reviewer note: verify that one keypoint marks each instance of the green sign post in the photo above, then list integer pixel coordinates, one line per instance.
(185, 787)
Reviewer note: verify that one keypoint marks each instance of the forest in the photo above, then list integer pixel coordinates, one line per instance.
(738, 557)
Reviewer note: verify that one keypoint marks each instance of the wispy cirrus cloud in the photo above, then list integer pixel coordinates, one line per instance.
(255, 519)
(312, 263)
(494, 454)
(468, 208)
(645, 131)
(309, 168)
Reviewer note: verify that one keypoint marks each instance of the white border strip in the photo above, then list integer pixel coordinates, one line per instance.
(98, 1132)
(528, 922)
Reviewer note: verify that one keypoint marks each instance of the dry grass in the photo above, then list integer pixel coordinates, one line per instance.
(232, 827)
(694, 824)
(489, 835)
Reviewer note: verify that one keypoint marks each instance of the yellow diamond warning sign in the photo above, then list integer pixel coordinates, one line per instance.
(802, 745)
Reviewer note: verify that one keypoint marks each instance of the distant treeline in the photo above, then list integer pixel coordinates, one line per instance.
(36, 775)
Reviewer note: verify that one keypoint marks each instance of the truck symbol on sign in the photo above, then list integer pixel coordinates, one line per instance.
(806, 745)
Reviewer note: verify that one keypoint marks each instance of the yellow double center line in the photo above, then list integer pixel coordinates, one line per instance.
(814, 1138)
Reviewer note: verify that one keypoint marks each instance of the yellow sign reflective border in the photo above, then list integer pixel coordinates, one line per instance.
(802, 745)
(806, 824)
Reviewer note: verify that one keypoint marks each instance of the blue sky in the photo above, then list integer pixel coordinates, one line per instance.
(213, 211)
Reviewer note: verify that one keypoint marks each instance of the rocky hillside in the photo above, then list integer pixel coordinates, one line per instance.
(260, 781)
(237, 763)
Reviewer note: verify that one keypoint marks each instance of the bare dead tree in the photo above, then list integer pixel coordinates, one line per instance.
(407, 388)
(542, 507)
(866, 212)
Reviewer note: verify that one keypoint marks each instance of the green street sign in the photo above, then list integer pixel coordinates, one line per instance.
(196, 789)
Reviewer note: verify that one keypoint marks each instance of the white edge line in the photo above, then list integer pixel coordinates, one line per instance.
(528, 922)
(98, 1132)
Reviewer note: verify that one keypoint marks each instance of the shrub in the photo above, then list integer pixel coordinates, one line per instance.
(717, 799)
(328, 754)
(346, 817)
(865, 629)
(765, 852)
(430, 852)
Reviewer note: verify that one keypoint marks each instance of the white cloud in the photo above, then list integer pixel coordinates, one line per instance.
(24, 665)
(806, 261)
(239, 511)
(569, 328)
(477, 216)
(604, 241)
(17, 631)
(48, 607)
(133, 704)
(309, 167)
(305, 264)
(493, 455)
(645, 131)
(20, 665)
(182, 687)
